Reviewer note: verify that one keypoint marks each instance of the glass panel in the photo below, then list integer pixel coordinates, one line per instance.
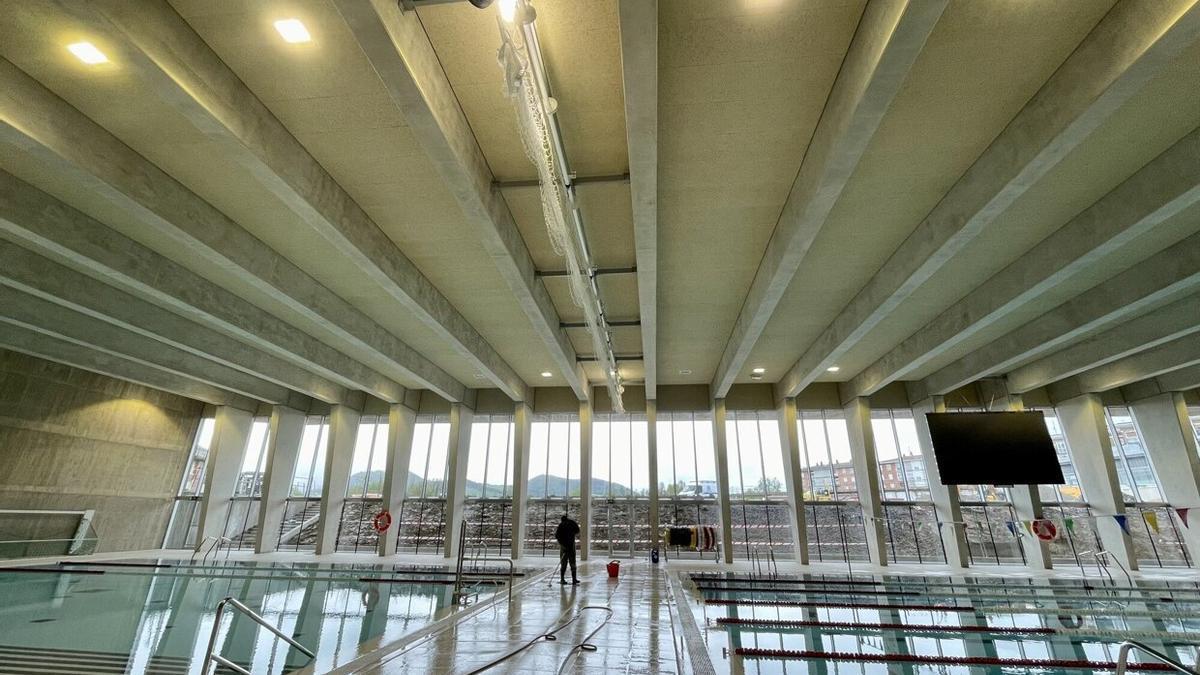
(825, 464)
(181, 532)
(489, 464)
(193, 472)
(1070, 491)
(1138, 482)
(369, 463)
(687, 478)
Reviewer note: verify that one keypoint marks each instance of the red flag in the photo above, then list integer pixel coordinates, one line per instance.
(1182, 515)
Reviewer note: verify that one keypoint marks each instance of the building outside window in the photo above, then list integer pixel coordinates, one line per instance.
(421, 522)
(687, 472)
(185, 514)
(757, 494)
(910, 519)
(488, 505)
(554, 475)
(1151, 521)
(241, 522)
(620, 484)
(834, 516)
(302, 510)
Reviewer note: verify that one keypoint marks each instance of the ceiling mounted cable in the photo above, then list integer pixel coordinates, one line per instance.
(526, 85)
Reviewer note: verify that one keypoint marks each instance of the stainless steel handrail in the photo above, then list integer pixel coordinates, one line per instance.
(1129, 645)
(511, 571)
(1107, 555)
(458, 567)
(211, 656)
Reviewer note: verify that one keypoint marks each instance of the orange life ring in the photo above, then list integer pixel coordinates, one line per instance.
(382, 521)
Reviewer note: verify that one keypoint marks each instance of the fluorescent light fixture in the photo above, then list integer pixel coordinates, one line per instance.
(547, 374)
(759, 371)
(833, 369)
(292, 30)
(87, 52)
(508, 10)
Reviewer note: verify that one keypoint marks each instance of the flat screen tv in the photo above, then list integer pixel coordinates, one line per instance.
(994, 448)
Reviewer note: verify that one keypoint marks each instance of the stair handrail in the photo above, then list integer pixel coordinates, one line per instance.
(1129, 645)
(210, 656)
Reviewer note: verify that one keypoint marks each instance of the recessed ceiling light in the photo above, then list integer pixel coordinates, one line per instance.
(547, 373)
(759, 371)
(479, 376)
(685, 371)
(292, 30)
(508, 10)
(87, 52)
(833, 369)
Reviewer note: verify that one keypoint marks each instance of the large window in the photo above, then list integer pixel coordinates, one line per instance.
(554, 474)
(1151, 521)
(901, 467)
(186, 513)
(488, 509)
(364, 490)
(687, 471)
(422, 517)
(302, 510)
(1194, 416)
(835, 526)
(1070, 491)
(241, 522)
(758, 496)
(620, 484)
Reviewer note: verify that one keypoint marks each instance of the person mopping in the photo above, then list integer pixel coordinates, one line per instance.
(565, 535)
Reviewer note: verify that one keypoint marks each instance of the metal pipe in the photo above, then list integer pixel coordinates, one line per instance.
(210, 655)
(1129, 645)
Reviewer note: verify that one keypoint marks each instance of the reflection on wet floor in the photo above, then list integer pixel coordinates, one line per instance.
(636, 637)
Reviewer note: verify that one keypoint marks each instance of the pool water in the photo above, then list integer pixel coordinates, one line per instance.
(910, 624)
(157, 617)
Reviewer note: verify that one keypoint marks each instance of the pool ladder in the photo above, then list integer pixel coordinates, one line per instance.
(1130, 645)
(459, 594)
(211, 656)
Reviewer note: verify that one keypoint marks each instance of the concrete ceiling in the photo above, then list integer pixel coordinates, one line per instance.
(295, 183)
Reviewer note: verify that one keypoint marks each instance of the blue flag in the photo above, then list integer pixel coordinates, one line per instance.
(1123, 521)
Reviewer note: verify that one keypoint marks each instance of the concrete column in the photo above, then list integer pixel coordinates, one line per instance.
(1171, 446)
(652, 469)
(287, 428)
(1026, 500)
(522, 430)
(230, 434)
(1083, 423)
(402, 421)
(585, 479)
(461, 418)
(866, 476)
(343, 432)
(793, 477)
(721, 446)
(944, 497)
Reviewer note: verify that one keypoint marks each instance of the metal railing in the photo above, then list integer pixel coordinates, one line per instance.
(214, 550)
(1107, 555)
(1129, 645)
(211, 656)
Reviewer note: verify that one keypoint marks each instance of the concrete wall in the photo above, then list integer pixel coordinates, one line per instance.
(74, 440)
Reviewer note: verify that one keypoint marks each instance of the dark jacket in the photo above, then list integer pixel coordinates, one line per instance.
(565, 534)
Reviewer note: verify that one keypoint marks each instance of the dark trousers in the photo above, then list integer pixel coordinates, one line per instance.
(566, 556)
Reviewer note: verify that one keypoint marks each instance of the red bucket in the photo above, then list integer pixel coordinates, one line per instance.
(613, 568)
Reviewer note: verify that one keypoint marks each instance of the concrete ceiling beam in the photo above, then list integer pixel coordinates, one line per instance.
(46, 128)
(638, 22)
(174, 62)
(1159, 191)
(1176, 355)
(1164, 277)
(396, 45)
(31, 274)
(32, 343)
(1134, 42)
(38, 222)
(889, 37)
(1163, 325)
(47, 318)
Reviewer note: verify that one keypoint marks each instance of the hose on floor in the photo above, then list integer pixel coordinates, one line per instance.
(548, 636)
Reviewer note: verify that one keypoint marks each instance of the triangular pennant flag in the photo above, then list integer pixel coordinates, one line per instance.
(1028, 526)
(1070, 523)
(1151, 520)
(940, 523)
(1012, 527)
(1123, 521)
(1182, 515)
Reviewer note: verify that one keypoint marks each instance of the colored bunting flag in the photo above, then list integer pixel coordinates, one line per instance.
(1151, 520)
(1028, 526)
(1183, 513)
(1012, 527)
(1123, 521)
(1070, 523)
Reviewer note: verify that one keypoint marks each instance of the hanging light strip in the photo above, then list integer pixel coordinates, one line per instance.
(527, 84)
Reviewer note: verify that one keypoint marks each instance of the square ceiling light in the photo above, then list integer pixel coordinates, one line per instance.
(293, 31)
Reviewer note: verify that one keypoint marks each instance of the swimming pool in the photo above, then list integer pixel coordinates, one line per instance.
(156, 617)
(887, 624)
